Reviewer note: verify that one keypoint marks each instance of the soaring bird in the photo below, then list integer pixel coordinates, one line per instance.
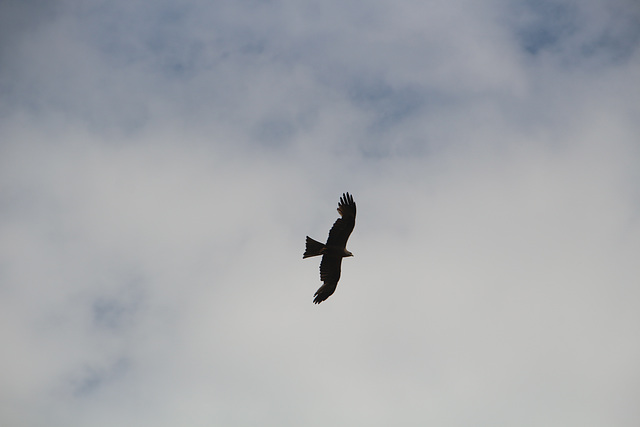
(335, 249)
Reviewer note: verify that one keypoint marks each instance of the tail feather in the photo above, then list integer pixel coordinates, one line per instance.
(314, 248)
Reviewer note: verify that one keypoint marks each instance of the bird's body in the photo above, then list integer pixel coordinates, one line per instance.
(334, 250)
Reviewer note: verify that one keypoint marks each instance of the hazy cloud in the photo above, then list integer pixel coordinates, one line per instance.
(161, 163)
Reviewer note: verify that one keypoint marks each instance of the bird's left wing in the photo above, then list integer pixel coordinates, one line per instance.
(329, 274)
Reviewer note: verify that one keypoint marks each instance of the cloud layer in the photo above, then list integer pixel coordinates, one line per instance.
(161, 164)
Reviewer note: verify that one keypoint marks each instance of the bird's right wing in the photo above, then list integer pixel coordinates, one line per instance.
(342, 228)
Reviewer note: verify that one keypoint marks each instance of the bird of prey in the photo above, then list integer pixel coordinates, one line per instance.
(334, 250)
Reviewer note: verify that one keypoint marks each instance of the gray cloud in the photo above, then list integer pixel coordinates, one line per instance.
(161, 165)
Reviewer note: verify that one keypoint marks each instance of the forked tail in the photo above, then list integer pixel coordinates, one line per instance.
(314, 248)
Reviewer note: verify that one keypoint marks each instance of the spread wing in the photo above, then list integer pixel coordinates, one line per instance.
(342, 228)
(329, 274)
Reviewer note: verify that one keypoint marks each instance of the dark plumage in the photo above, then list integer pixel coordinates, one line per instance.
(335, 249)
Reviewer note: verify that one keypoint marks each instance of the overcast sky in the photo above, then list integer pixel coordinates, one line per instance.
(161, 163)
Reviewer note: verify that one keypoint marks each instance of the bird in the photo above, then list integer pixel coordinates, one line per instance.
(334, 250)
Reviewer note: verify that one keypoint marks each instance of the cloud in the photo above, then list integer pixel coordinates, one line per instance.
(161, 165)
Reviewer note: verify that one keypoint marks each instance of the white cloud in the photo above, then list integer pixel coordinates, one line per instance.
(161, 165)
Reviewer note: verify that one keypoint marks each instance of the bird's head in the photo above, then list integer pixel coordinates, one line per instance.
(347, 253)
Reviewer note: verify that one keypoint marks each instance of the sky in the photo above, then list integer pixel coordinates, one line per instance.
(162, 162)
